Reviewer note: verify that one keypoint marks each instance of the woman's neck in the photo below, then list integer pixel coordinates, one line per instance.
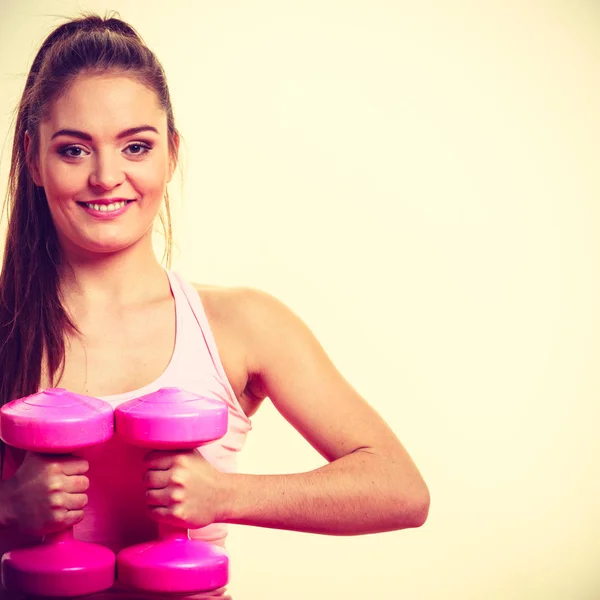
(119, 279)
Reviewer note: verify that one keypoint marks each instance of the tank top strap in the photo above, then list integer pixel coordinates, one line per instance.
(181, 286)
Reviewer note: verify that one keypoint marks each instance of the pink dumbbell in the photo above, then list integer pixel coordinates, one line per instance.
(56, 421)
(172, 419)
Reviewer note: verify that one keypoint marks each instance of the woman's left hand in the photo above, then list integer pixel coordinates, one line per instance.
(182, 488)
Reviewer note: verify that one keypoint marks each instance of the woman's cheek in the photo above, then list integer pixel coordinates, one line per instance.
(66, 184)
(152, 181)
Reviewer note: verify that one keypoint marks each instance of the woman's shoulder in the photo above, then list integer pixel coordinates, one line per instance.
(248, 324)
(237, 303)
(223, 304)
(253, 317)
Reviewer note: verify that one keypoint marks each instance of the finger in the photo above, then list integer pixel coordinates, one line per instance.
(75, 501)
(74, 466)
(159, 459)
(76, 484)
(63, 520)
(66, 464)
(62, 500)
(157, 479)
(73, 517)
(162, 514)
(162, 497)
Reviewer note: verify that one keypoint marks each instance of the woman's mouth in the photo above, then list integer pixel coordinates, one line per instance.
(104, 210)
(105, 207)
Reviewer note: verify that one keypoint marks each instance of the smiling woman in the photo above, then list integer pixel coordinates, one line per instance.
(87, 306)
(78, 168)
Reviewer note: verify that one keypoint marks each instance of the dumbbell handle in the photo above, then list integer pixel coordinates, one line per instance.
(166, 531)
(57, 537)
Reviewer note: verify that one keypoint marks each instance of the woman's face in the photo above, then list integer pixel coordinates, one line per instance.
(104, 163)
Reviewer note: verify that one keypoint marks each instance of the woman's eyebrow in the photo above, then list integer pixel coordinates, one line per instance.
(86, 136)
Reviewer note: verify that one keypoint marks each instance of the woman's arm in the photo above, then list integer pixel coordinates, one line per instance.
(370, 484)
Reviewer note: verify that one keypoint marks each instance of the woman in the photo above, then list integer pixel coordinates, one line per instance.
(95, 146)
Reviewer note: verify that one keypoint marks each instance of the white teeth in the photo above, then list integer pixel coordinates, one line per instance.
(106, 207)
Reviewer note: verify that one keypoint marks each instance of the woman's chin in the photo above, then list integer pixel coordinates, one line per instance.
(101, 248)
(105, 243)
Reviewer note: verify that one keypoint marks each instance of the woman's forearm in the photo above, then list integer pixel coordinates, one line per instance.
(357, 494)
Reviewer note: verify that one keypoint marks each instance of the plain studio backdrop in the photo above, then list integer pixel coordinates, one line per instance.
(419, 182)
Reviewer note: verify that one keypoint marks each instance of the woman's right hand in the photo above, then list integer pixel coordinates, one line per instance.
(47, 493)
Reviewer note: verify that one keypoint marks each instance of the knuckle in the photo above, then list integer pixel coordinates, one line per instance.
(57, 500)
(179, 476)
(55, 484)
(59, 515)
(179, 462)
(54, 468)
(178, 494)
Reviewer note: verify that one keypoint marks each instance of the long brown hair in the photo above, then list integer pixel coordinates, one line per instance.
(33, 321)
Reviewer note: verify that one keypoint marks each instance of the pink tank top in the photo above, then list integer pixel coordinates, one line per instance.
(116, 514)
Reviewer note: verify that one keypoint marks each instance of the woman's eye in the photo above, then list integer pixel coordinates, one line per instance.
(71, 152)
(138, 149)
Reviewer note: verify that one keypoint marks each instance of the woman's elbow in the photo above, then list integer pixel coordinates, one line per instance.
(420, 506)
(414, 507)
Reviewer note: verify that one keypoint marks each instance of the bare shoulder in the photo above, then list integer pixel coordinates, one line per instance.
(255, 320)
(230, 305)
(239, 317)
(246, 307)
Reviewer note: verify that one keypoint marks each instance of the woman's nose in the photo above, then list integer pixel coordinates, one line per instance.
(107, 172)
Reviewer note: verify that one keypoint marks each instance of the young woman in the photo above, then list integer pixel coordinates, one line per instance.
(85, 305)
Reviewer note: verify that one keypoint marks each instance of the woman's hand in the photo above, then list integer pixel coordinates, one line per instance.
(183, 488)
(47, 493)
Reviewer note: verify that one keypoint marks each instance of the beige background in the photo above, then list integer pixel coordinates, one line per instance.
(419, 182)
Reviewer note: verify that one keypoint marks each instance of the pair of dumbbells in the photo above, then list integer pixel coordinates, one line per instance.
(56, 421)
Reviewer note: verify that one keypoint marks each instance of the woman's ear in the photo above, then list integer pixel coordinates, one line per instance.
(32, 163)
